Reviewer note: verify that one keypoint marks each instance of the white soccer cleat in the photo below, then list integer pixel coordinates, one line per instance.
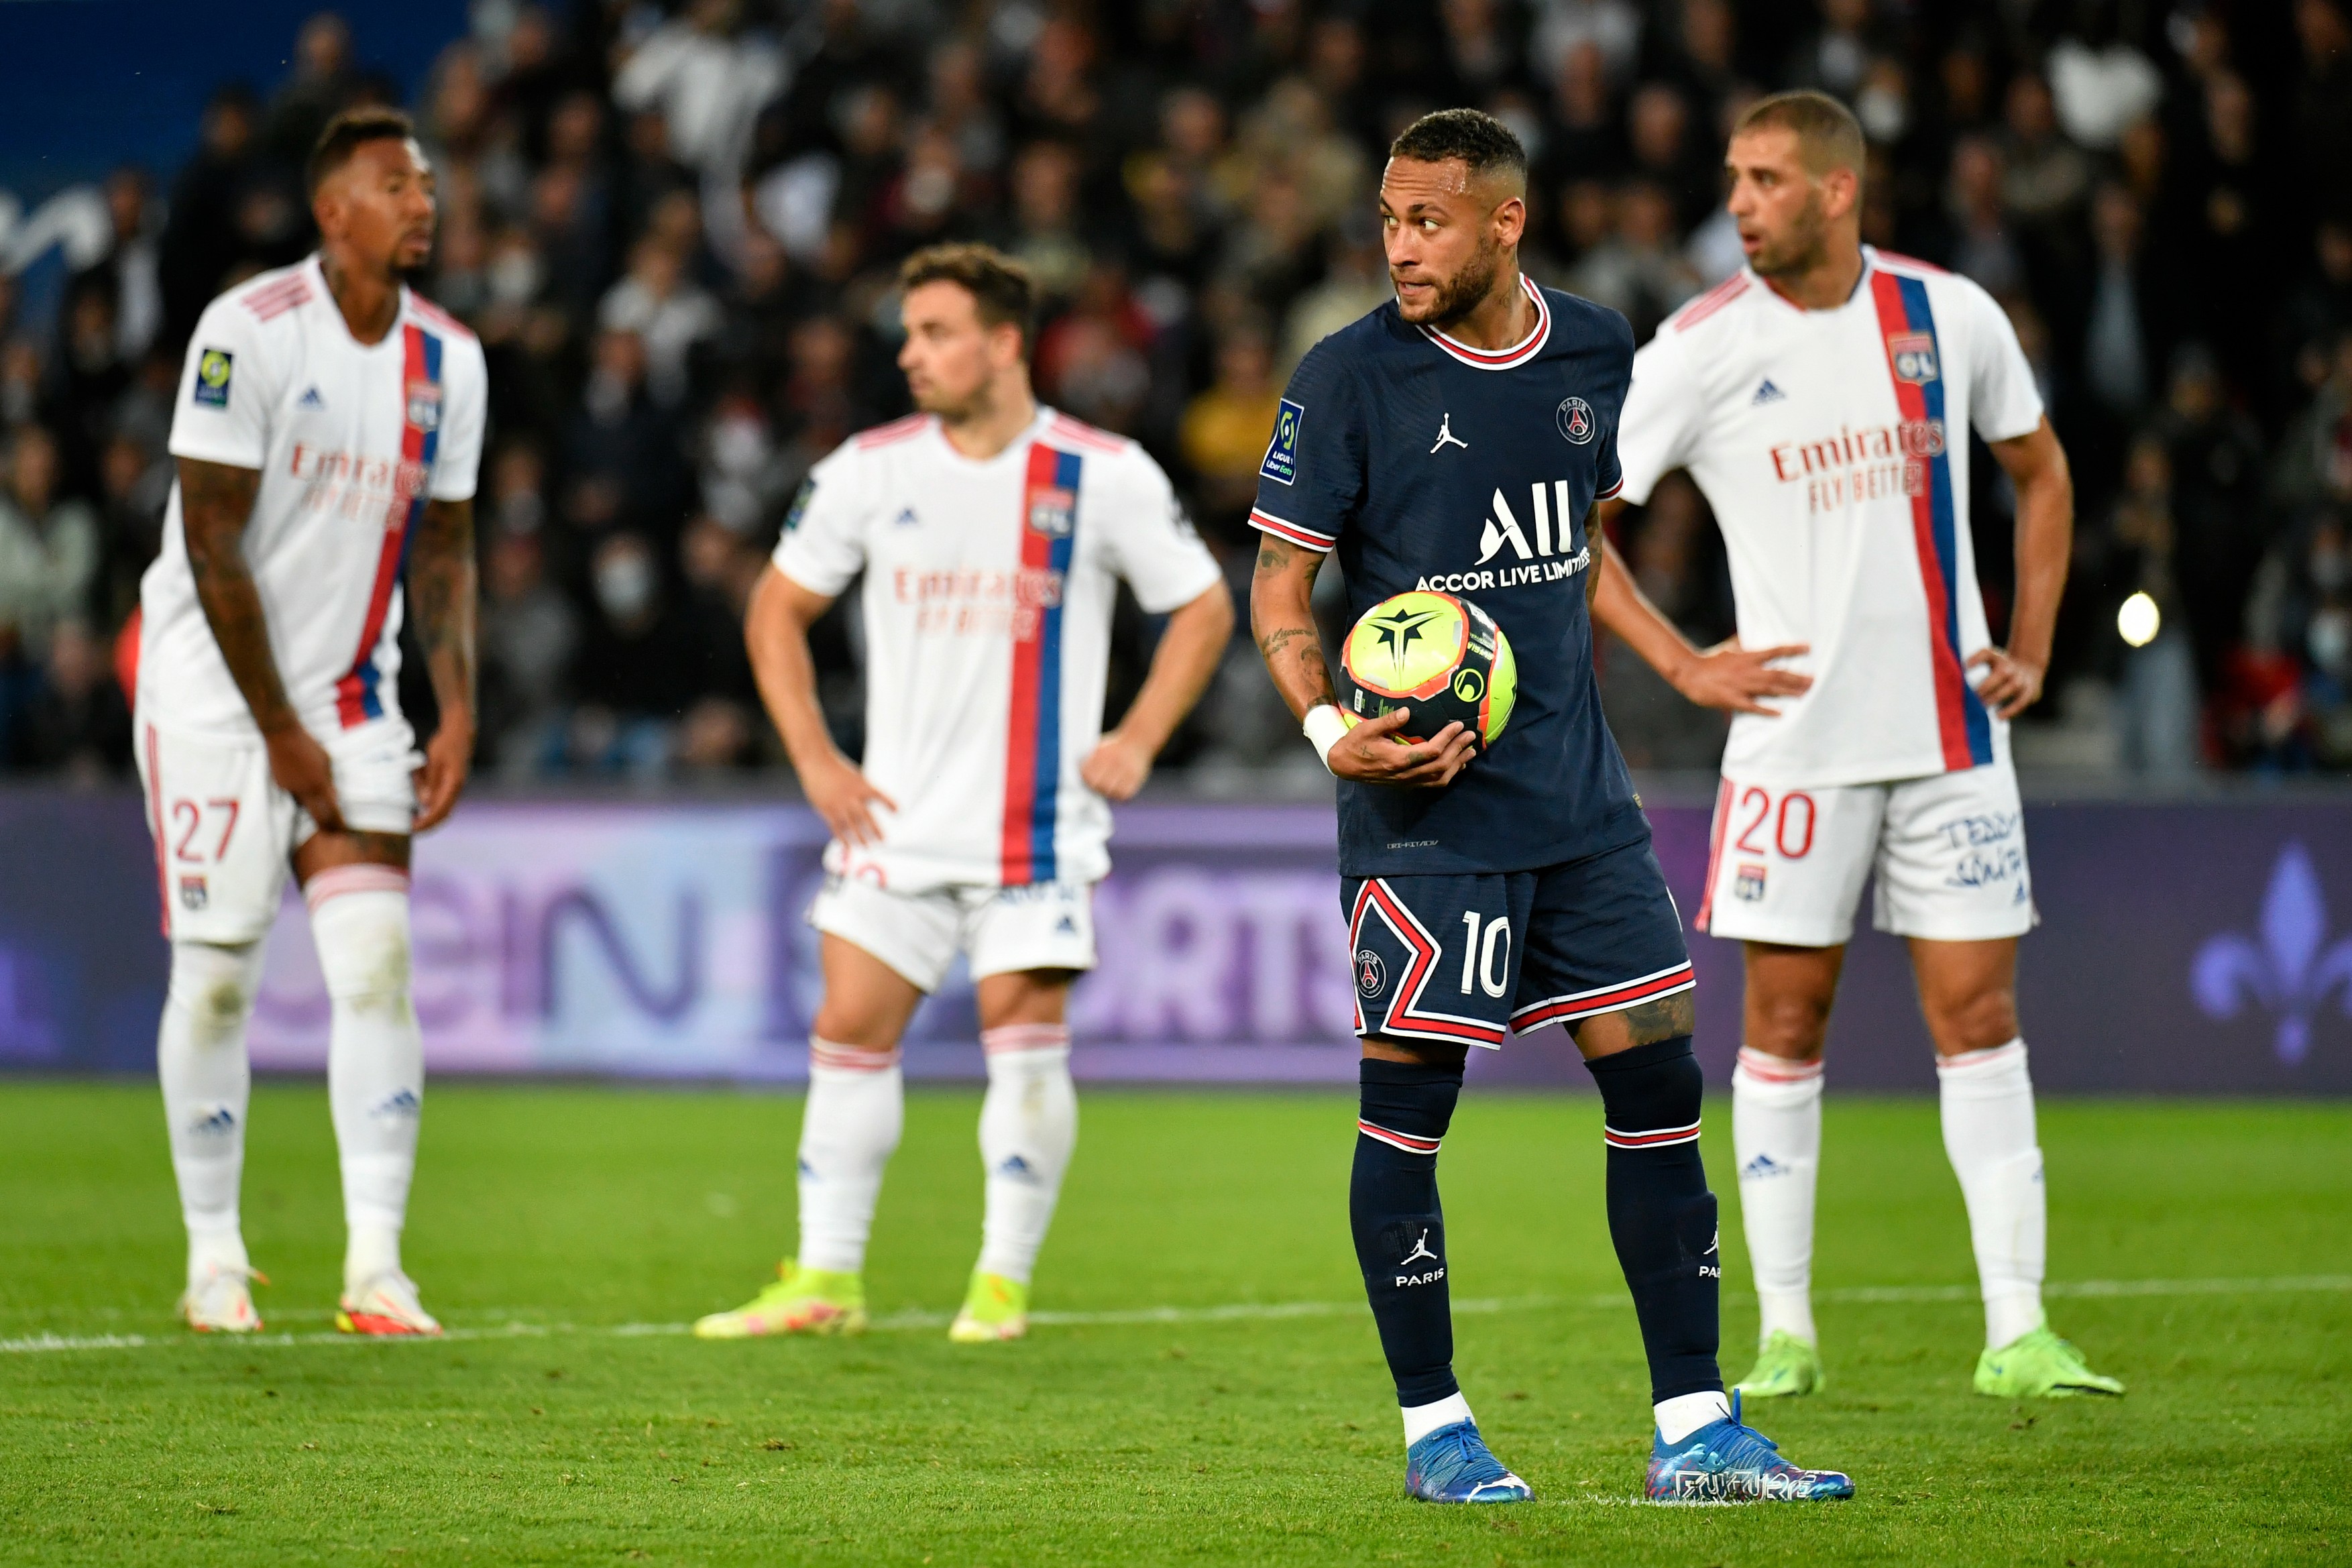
(221, 1301)
(387, 1307)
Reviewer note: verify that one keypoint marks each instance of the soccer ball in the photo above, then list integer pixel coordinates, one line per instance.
(1442, 657)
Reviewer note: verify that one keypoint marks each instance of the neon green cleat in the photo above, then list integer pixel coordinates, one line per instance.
(2038, 1365)
(800, 1302)
(994, 1310)
(1786, 1367)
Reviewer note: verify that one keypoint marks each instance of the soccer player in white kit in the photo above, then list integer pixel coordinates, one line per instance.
(992, 534)
(328, 429)
(1821, 399)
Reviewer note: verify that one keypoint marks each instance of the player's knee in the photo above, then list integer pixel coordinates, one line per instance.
(1425, 1053)
(359, 925)
(1790, 1025)
(215, 984)
(1977, 1021)
(858, 1025)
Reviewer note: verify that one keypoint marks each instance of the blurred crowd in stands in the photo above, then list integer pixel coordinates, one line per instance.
(675, 230)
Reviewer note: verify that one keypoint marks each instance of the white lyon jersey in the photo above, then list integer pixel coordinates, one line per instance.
(1832, 446)
(987, 605)
(351, 440)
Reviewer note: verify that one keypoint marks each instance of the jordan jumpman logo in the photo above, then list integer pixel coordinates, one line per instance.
(1445, 435)
(1420, 1250)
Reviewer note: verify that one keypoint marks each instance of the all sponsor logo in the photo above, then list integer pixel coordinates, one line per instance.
(1578, 424)
(1541, 547)
(1913, 355)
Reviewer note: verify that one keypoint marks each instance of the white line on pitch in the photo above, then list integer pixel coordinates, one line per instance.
(1240, 1311)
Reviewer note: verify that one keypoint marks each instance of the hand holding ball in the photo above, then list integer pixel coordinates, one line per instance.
(1441, 658)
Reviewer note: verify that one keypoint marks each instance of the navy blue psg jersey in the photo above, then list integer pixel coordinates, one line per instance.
(1430, 464)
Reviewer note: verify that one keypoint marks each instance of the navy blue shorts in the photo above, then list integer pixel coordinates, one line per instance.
(1460, 959)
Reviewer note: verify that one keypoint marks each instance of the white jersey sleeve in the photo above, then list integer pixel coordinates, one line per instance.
(465, 412)
(823, 545)
(2003, 401)
(228, 387)
(1660, 425)
(1152, 543)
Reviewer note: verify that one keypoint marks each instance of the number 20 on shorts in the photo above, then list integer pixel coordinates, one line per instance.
(1791, 822)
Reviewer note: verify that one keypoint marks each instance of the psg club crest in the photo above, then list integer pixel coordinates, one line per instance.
(424, 404)
(1053, 512)
(1372, 974)
(1913, 356)
(1578, 424)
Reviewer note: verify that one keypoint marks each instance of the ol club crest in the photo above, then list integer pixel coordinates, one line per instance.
(1913, 355)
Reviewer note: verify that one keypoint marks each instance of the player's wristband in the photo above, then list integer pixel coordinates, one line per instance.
(1324, 724)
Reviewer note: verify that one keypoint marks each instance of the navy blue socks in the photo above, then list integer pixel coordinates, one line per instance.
(1400, 1229)
(1660, 1214)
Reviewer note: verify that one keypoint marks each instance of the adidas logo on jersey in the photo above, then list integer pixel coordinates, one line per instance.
(1761, 1166)
(906, 517)
(400, 1102)
(311, 400)
(1767, 393)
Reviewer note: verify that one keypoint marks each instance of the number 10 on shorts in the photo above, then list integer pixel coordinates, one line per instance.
(1486, 961)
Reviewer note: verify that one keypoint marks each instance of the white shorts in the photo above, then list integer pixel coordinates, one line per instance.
(225, 832)
(1788, 863)
(1046, 925)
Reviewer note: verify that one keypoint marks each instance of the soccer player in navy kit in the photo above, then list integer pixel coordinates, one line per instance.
(1456, 439)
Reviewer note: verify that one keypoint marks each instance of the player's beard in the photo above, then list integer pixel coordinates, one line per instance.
(1459, 295)
(1803, 248)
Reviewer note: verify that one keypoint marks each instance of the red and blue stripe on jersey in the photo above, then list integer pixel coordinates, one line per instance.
(1032, 744)
(357, 698)
(1962, 724)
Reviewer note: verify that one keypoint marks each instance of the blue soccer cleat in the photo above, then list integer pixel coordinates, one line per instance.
(1727, 1462)
(1453, 1464)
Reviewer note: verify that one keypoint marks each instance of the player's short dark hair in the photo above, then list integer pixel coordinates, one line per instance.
(1001, 287)
(1477, 138)
(350, 131)
(1828, 135)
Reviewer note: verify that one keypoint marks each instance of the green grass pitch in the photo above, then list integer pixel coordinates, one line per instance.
(2201, 1250)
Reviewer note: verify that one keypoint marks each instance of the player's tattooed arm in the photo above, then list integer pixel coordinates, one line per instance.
(215, 504)
(442, 595)
(1283, 622)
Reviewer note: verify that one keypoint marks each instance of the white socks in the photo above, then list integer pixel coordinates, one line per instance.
(1421, 1420)
(856, 1110)
(1988, 1101)
(1028, 1125)
(1684, 1414)
(200, 1058)
(1775, 1137)
(375, 1056)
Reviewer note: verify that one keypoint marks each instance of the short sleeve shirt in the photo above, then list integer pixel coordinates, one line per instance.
(1832, 447)
(1425, 463)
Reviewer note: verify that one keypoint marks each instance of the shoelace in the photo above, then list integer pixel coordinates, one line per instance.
(1467, 1459)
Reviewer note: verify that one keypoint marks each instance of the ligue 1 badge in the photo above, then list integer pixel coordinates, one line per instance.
(1576, 420)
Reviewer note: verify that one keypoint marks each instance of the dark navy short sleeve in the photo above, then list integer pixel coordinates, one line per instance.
(1312, 479)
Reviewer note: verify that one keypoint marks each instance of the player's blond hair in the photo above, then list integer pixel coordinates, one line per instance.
(1828, 135)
